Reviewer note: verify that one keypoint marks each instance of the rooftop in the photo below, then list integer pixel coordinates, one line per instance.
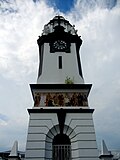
(59, 21)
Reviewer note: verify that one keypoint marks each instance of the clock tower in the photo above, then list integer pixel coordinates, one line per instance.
(61, 124)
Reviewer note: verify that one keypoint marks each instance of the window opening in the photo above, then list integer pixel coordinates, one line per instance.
(60, 62)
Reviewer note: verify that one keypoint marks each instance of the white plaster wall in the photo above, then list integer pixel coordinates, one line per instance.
(37, 139)
(83, 139)
(50, 66)
(79, 127)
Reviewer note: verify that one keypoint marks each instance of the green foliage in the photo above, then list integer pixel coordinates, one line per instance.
(68, 80)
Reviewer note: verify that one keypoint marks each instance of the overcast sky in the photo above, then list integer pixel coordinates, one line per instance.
(98, 23)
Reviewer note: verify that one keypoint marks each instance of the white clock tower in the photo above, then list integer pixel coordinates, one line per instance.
(61, 124)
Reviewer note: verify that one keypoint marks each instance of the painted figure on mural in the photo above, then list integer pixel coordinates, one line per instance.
(55, 99)
(61, 100)
(85, 101)
(49, 101)
(73, 100)
(37, 99)
(80, 99)
(67, 100)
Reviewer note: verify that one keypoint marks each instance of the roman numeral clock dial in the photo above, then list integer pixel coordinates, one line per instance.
(60, 46)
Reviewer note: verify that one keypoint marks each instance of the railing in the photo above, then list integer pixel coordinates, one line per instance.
(61, 152)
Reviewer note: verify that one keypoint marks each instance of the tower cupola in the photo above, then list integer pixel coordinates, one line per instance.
(56, 22)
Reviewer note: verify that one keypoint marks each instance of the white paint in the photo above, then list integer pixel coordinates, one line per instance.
(79, 127)
(105, 154)
(51, 74)
(14, 150)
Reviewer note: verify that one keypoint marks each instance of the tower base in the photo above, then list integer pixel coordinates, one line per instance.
(45, 124)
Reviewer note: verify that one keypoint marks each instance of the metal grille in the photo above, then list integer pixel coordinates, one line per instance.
(61, 152)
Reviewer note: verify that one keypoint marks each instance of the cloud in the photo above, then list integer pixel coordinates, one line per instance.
(100, 58)
(3, 120)
(100, 54)
(19, 31)
(18, 65)
(20, 28)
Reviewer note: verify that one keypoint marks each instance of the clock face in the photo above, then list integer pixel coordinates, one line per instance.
(59, 45)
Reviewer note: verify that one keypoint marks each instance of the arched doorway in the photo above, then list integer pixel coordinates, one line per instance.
(61, 147)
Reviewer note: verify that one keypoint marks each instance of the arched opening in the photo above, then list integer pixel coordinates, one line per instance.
(61, 147)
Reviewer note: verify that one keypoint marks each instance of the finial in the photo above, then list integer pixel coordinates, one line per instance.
(58, 13)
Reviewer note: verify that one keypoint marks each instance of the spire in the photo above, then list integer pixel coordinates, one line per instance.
(14, 150)
(105, 154)
(104, 150)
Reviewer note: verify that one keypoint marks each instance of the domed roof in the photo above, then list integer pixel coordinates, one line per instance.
(59, 21)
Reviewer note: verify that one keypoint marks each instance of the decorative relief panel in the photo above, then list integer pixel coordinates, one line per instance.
(60, 99)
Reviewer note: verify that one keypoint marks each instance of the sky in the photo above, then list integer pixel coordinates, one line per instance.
(98, 24)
